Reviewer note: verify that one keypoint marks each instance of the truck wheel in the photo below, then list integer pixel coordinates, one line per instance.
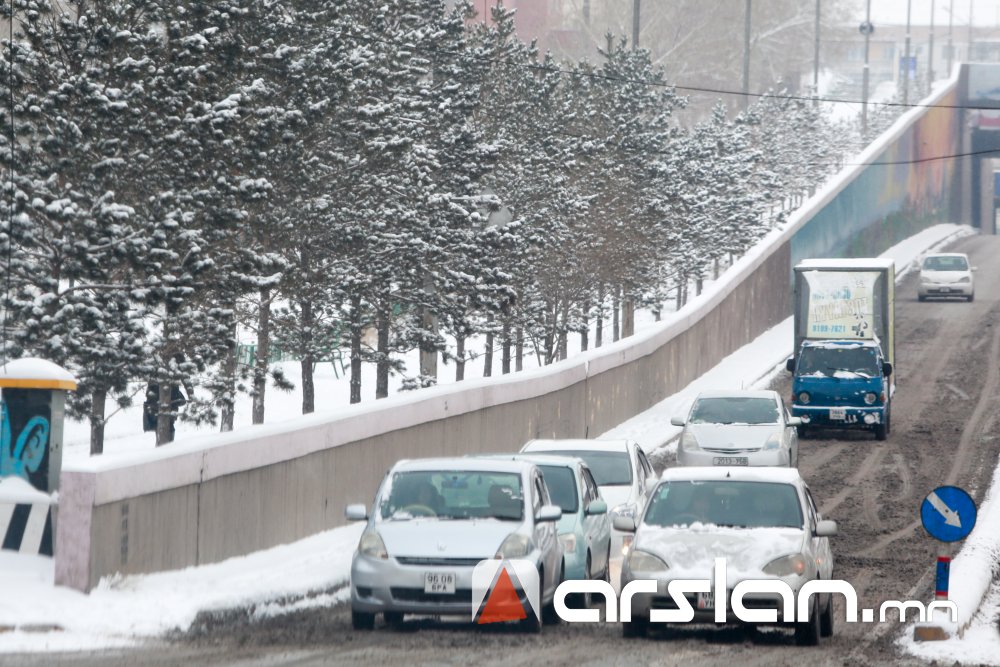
(881, 432)
(803, 431)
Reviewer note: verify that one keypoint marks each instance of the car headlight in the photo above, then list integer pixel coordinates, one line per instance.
(515, 546)
(774, 442)
(965, 279)
(643, 561)
(786, 565)
(627, 510)
(371, 544)
(568, 543)
(689, 442)
(870, 398)
(804, 398)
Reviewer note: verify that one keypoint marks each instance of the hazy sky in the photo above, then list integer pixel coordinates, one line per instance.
(893, 12)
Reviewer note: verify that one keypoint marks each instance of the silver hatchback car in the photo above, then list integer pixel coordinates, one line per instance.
(434, 520)
(738, 428)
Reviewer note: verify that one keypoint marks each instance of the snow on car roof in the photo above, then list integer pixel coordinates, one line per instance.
(737, 474)
(823, 343)
(947, 254)
(576, 443)
(847, 263)
(739, 393)
(462, 463)
(539, 459)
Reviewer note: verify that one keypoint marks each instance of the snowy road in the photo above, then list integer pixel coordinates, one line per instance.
(872, 489)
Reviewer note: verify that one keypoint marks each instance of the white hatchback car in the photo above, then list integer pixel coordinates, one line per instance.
(762, 521)
(946, 274)
(738, 428)
(621, 470)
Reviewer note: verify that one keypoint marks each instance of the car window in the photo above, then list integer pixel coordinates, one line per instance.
(811, 504)
(836, 359)
(561, 483)
(453, 494)
(541, 497)
(645, 462)
(734, 410)
(725, 503)
(946, 264)
(609, 468)
(592, 491)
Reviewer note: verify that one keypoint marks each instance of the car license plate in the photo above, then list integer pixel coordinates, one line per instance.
(439, 582)
(838, 413)
(706, 600)
(944, 290)
(730, 461)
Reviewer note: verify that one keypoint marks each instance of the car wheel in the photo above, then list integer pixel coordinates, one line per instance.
(971, 297)
(637, 627)
(362, 621)
(882, 430)
(394, 619)
(826, 619)
(921, 297)
(807, 632)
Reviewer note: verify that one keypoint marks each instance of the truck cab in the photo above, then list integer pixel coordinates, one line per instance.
(841, 384)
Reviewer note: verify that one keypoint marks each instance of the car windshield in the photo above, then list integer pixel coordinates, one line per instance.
(833, 359)
(725, 503)
(946, 264)
(608, 468)
(562, 486)
(453, 494)
(734, 410)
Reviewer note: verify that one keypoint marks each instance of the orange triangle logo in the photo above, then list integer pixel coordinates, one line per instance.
(503, 604)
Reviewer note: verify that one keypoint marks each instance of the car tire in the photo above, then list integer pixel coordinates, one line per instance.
(802, 431)
(393, 619)
(826, 618)
(549, 615)
(971, 297)
(807, 633)
(637, 627)
(921, 297)
(362, 620)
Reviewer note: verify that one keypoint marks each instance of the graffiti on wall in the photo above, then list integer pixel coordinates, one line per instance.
(22, 457)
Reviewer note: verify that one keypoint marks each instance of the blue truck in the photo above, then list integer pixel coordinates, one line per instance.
(844, 345)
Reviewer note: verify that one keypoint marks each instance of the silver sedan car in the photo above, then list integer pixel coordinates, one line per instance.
(434, 520)
(946, 274)
(762, 521)
(738, 428)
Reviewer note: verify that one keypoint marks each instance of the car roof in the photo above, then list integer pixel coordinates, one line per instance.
(537, 459)
(735, 474)
(847, 263)
(739, 393)
(580, 444)
(458, 463)
(947, 254)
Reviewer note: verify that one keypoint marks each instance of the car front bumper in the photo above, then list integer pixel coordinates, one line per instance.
(949, 289)
(854, 417)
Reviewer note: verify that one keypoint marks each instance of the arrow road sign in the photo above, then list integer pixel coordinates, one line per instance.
(948, 513)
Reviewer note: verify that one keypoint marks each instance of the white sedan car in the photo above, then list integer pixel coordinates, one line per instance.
(762, 521)
(621, 470)
(738, 428)
(946, 274)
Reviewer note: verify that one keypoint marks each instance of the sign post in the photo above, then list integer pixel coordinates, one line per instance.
(948, 514)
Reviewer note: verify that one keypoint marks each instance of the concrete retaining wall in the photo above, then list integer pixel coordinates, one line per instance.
(214, 497)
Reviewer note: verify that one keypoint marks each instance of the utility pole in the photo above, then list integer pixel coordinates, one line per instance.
(930, 54)
(586, 12)
(906, 58)
(635, 24)
(866, 29)
(951, 12)
(968, 56)
(816, 59)
(746, 53)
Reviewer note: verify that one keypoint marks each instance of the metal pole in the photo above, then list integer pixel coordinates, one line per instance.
(906, 58)
(816, 59)
(930, 54)
(746, 53)
(951, 11)
(635, 24)
(864, 79)
(968, 56)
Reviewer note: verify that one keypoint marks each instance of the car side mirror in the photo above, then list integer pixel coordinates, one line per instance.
(357, 512)
(596, 507)
(624, 524)
(886, 368)
(549, 513)
(790, 364)
(678, 421)
(826, 528)
(795, 421)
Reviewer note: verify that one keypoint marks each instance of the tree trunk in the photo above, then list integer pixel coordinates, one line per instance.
(715, 269)
(307, 363)
(615, 310)
(680, 281)
(488, 355)
(505, 348)
(599, 325)
(519, 350)
(165, 416)
(585, 332)
(628, 317)
(228, 402)
(263, 354)
(382, 365)
(97, 401)
(699, 282)
(429, 322)
(355, 349)
(562, 323)
(459, 357)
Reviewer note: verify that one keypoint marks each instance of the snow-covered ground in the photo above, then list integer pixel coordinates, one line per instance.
(315, 570)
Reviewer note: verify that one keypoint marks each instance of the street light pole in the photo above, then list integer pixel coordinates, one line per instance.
(816, 59)
(864, 79)
(906, 58)
(968, 56)
(746, 53)
(635, 24)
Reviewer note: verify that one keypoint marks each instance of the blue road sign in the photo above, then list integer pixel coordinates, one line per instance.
(948, 513)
